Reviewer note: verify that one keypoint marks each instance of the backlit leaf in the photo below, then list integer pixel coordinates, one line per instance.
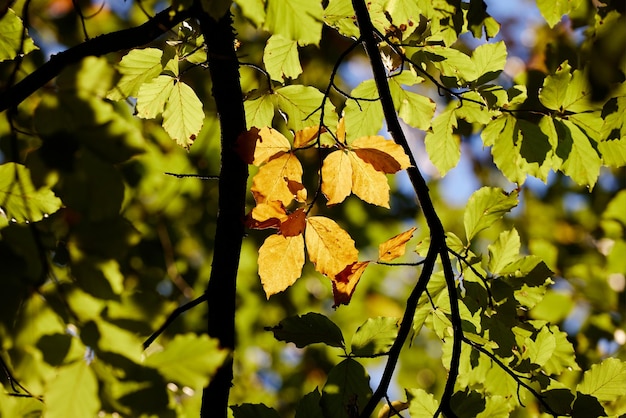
(395, 247)
(337, 177)
(281, 58)
(269, 143)
(443, 147)
(613, 152)
(136, 67)
(11, 36)
(383, 154)
(453, 63)
(504, 250)
(374, 337)
(300, 106)
(188, 359)
(183, 115)
(421, 403)
(368, 183)
(74, 392)
(280, 262)
(582, 162)
(416, 110)
(363, 117)
(553, 10)
(541, 349)
(329, 247)
(345, 282)
(298, 20)
(347, 389)
(153, 95)
(271, 181)
(489, 60)
(310, 328)
(606, 381)
(339, 14)
(20, 201)
(486, 206)
(259, 111)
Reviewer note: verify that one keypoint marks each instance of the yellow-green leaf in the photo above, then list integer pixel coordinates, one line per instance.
(298, 20)
(73, 393)
(11, 36)
(281, 58)
(183, 115)
(136, 67)
(606, 381)
(153, 95)
(486, 206)
(443, 147)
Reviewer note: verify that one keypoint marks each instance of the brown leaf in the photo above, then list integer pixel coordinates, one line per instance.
(298, 190)
(306, 136)
(330, 248)
(294, 224)
(246, 143)
(336, 177)
(270, 143)
(345, 282)
(367, 183)
(383, 154)
(280, 262)
(395, 247)
(271, 181)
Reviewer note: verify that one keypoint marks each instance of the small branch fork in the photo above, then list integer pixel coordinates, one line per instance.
(438, 247)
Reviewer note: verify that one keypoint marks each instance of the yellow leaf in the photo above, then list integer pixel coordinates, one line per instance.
(280, 262)
(383, 154)
(306, 136)
(367, 183)
(341, 130)
(345, 282)
(266, 215)
(330, 248)
(394, 247)
(269, 143)
(336, 177)
(271, 181)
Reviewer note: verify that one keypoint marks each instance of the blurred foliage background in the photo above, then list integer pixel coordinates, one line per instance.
(94, 279)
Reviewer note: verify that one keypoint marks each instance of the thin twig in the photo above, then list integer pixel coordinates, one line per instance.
(195, 176)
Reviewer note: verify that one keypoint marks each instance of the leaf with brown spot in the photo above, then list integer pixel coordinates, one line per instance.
(270, 143)
(298, 190)
(383, 154)
(395, 247)
(271, 181)
(266, 215)
(280, 262)
(330, 248)
(304, 137)
(368, 183)
(345, 282)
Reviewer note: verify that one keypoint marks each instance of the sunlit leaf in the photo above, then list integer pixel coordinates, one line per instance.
(298, 20)
(443, 147)
(300, 105)
(11, 36)
(153, 95)
(271, 181)
(541, 349)
(375, 337)
(383, 154)
(337, 177)
(346, 389)
(136, 67)
(581, 162)
(421, 403)
(606, 381)
(259, 111)
(20, 200)
(329, 247)
(504, 250)
(486, 206)
(368, 183)
(310, 328)
(489, 60)
(281, 58)
(395, 247)
(363, 117)
(74, 392)
(183, 115)
(269, 143)
(345, 282)
(280, 262)
(453, 63)
(339, 14)
(415, 109)
(553, 10)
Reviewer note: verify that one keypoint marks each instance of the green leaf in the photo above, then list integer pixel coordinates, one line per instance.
(281, 58)
(474, 112)
(452, 63)
(504, 251)
(489, 60)
(309, 406)
(553, 10)
(563, 357)
(300, 106)
(552, 94)
(183, 115)
(613, 152)
(298, 20)
(259, 111)
(153, 95)
(405, 12)
(11, 36)
(347, 389)
(541, 349)
(606, 381)
(363, 117)
(375, 337)
(580, 160)
(188, 359)
(73, 393)
(421, 403)
(308, 329)
(19, 200)
(416, 110)
(136, 67)
(339, 14)
(442, 145)
(485, 207)
(248, 410)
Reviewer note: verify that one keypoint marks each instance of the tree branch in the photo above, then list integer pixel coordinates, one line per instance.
(438, 239)
(101, 45)
(220, 291)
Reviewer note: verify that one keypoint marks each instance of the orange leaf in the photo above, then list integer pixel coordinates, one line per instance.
(330, 248)
(270, 143)
(298, 190)
(341, 130)
(394, 247)
(246, 143)
(294, 224)
(345, 282)
(280, 262)
(383, 154)
(306, 136)
(367, 183)
(271, 181)
(336, 177)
